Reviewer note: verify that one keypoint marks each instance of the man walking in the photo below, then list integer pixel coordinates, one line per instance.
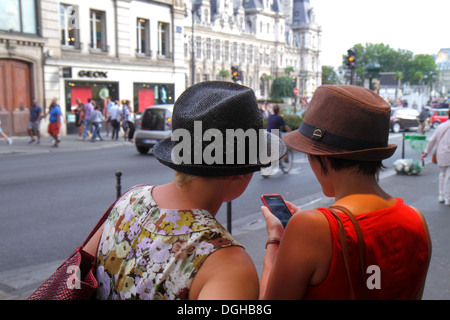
(34, 122)
(88, 108)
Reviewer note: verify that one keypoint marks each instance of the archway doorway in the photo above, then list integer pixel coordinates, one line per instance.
(15, 96)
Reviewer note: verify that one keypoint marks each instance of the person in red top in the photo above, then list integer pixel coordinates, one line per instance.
(345, 135)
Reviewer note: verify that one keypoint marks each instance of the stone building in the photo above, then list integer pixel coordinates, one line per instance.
(147, 52)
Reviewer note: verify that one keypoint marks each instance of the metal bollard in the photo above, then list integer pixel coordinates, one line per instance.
(118, 187)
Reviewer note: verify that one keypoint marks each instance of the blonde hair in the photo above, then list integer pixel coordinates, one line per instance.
(181, 179)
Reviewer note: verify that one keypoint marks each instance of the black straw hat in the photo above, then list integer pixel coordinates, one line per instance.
(217, 130)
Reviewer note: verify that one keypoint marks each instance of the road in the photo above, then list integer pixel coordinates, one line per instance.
(50, 201)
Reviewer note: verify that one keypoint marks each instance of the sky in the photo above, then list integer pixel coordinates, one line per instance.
(420, 26)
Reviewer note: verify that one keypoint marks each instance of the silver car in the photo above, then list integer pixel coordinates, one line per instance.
(154, 125)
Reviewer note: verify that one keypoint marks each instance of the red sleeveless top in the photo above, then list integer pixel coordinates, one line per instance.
(395, 243)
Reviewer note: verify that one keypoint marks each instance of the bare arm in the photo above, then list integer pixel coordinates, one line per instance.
(227, 274)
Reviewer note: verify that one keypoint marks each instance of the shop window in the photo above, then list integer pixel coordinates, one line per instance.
(70, 32)
(19, 16)
(143, 37)
(148, 94)
(98, 31)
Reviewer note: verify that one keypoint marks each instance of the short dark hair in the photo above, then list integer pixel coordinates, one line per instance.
(364, 167)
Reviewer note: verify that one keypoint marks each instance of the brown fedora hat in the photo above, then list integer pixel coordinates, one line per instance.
(344, 121)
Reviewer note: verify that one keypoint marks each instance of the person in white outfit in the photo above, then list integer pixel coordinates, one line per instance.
(441, 140)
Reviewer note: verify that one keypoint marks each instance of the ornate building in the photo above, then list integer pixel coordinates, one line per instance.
(260, 37)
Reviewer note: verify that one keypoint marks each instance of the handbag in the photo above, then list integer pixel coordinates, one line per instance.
(433, 158)
(344, 246)
(74, 279)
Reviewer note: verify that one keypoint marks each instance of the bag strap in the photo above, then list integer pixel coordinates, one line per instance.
(105, 216)
(344, 246)
(99, 224)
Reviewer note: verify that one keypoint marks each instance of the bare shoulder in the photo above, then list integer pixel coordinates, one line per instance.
(228, 273)
(309, 221)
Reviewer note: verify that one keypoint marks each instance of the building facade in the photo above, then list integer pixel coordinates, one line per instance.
(260, 37)
(147, 52)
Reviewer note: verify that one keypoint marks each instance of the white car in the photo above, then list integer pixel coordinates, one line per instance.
(154, 125)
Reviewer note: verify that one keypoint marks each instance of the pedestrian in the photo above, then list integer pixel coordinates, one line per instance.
(54, 122)
(424, 115)
(441, 140)
(163, 242)
(88, 108)
(276, 120)
(124, 118)
(4, 135)
(34, 122)
(96, 121)
(345, 136)
(79, 118)
(131, 126)
(108, 104)
(114, 118)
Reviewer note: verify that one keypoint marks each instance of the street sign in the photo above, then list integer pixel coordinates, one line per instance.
(296, 91)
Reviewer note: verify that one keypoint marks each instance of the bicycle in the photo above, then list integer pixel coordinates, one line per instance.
(285, 164)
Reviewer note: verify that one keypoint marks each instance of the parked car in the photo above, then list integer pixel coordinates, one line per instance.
(438, 116)
(154, 125)
(404, 119)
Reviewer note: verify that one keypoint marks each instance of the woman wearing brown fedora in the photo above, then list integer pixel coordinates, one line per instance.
(368, 244)
(163, 242)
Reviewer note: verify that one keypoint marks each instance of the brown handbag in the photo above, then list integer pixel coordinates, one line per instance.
(344, 246)
(433, 158)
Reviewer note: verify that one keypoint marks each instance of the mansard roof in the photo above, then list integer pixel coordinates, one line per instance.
(275, 5)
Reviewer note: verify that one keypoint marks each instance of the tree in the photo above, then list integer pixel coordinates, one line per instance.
(282, 87)
(329, 76)
(422, 64)
(413, 68)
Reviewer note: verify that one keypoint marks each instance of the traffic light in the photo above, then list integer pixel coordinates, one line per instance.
(351, 58)
(235, 74)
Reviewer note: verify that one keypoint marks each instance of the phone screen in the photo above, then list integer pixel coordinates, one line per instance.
(277, 206)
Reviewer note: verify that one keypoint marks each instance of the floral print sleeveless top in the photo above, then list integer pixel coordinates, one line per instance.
(150, 253)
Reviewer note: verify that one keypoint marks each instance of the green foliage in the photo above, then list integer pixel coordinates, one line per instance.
(293, 121)
(408, 67)
(282, 87)
(329, 76)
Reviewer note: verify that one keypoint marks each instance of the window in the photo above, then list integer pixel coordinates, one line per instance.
(217, 56)
(226, 51)
(163, 39)
(18, 16)
(198, 47)
(208, 48)
(69, 26)
(98, 31)
(143, 37)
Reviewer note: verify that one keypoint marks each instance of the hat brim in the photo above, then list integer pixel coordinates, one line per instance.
(163, 152)
(299, 142)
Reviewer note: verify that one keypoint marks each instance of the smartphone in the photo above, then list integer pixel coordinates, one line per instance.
(277, 206)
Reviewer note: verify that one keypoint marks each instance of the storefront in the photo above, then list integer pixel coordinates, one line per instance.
(149, 94)
(98, 84)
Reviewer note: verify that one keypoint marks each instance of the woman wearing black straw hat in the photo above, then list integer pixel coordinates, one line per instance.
(368, 244)
(163, 242)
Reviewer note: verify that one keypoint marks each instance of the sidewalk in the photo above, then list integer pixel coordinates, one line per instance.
(69, 142)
